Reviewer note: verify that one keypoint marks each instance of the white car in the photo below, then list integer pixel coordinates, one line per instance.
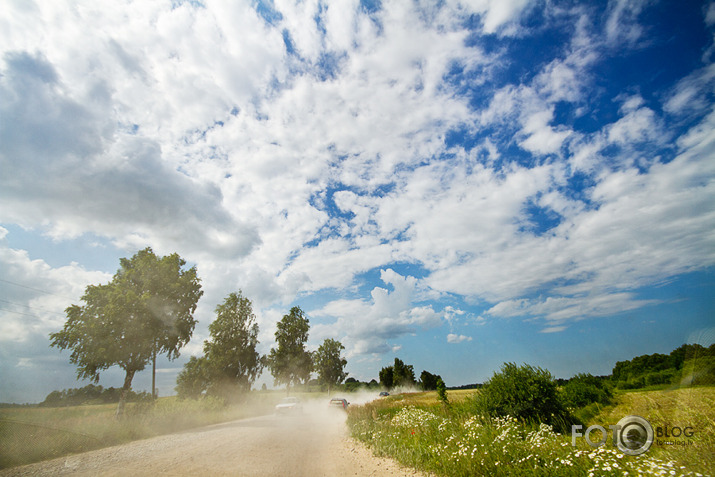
(289, 405)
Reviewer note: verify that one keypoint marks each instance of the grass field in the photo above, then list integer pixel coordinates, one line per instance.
(422, 433)
(32, 434)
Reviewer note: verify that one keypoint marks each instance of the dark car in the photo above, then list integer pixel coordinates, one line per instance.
(338, 403)
(384, 394)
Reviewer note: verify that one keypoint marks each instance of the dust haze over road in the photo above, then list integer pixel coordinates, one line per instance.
(314, 443)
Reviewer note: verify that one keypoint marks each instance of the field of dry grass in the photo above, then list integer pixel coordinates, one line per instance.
(692, 407)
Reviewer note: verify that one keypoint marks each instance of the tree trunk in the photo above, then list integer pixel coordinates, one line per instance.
(125, 392)
(153, 374)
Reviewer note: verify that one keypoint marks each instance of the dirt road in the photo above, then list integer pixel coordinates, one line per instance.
(312, 444)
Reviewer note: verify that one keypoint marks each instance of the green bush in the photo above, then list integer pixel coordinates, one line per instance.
(699, 371)
(525, 392)
(442, 391)
(584, 389)
(665, 376)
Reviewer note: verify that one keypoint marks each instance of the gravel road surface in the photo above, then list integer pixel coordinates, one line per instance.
(311, 444)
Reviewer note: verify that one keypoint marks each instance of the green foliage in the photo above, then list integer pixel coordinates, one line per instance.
(353, 385)
(231, 363)
(194, 379)
(699, 371)
(524, 392)
(659, 369)
(441, 391)
(584, 389)
(328, 363)
(386, 377)
(402, 374)
(399, 374)
(90, 394)
(290, 363)
(428, 381)
(146, 309)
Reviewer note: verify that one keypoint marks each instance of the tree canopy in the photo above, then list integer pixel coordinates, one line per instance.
(429, 381)
(289, 362)
(230, 364)
(328, 363)
(399, 374)
(147, 308)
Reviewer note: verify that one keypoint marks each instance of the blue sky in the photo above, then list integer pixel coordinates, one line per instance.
(458, 184)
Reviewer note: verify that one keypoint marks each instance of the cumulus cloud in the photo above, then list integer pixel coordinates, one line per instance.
(454, 339)
(368, 326)
(70, 171)
(34, 295)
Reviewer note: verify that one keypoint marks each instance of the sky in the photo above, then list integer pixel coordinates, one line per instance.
(457, 183)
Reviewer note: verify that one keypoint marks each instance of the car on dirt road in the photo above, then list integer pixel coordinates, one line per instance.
(289, 405)
(338, 403)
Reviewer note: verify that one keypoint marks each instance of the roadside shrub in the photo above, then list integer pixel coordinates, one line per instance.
(584, 389)
(525, 392)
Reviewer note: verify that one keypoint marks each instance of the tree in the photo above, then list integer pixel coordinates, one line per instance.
(441, 391)
(429, 380)
(329, 365)
(233, 362)
(290, 363)
(386, 377)
(147, 309)
(194, 379)
(402, 374)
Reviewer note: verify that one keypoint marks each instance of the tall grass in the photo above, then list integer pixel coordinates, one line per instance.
(454, 441)
(33, 434)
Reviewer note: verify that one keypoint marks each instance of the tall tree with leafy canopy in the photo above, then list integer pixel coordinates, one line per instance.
(402, 374)
(328, 363)
(233, 362)
(146, 309)
(289, 362)
(386, 377)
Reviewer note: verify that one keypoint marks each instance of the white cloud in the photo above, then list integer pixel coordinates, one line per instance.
(496, 14)
(691, 93)
(34, 295)
(367, 326)
(621, 25)
(543, 138)
(452, 338)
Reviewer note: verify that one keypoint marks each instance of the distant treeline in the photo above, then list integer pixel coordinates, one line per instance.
(466, 386)
(90, 394)
(688, 365)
